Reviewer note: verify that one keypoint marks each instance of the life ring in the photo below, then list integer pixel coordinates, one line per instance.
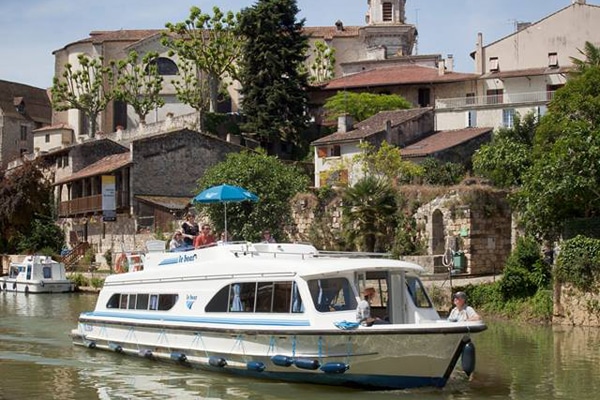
(119, 267)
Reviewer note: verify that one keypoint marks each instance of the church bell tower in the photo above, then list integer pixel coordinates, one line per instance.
(386, 34)
(386, 12)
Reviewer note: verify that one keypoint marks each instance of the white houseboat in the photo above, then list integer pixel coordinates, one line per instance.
(36, 274)
(280, 311)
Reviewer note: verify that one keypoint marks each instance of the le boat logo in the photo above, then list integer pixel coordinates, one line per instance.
(190, 300)
(187, 258)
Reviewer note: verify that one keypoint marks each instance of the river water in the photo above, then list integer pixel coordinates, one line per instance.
(38, 361)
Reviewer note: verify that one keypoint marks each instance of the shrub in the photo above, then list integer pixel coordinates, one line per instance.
(79, 280)
(525, 271)
(96, 283)
(579, 262)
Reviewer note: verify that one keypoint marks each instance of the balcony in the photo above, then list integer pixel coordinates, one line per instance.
(494, 100)
(89, 205)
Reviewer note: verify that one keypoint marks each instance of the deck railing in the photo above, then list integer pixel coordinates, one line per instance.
(88, 204)
(505, 98)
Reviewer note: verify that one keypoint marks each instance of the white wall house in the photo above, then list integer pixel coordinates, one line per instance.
(520, 72)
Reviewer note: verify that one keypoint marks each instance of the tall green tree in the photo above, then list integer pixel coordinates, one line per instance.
(564, 179)
(509, 155)
(139, 84)
(25, 195)
(274, 182)
(369, 209)
(363, 105)
(274, 99)
(206, 44)
(87, 87)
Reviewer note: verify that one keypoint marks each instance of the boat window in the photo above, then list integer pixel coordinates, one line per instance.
(131, 304)
(332, 294)
(153, 301)
(219, 301)
(142, 301)
(242, 297)
(167, 301)
(265, 297)
(417, 292)
(47, 272)
(123, 303)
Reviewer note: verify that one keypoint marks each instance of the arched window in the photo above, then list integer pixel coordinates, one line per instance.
(165, 66)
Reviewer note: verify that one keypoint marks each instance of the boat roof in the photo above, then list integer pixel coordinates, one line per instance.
(264, 260)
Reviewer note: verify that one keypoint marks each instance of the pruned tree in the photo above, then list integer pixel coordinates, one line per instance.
(86, 87)
(205, 44)
(139, 84)
(322, 68)
(273, 85)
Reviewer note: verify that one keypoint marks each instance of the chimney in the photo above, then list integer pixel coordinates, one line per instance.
(345, 123)
(450, 63)
(441, 67)
(339, 25)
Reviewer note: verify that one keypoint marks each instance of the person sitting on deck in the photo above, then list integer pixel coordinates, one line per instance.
(205, 238)
(266, 237)
(177, 243)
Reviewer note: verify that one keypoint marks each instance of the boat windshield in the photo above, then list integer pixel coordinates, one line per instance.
(332, 294)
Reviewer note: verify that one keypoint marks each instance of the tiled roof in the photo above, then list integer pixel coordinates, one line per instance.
(329, 32)
(442, 140)
(36, 101)
(397, 75)
(373, 125)
(526, 72)
(104, 166)
(171, 203)
(53, 127)
(122, 35)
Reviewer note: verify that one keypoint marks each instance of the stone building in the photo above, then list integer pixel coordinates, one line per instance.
(23, 109)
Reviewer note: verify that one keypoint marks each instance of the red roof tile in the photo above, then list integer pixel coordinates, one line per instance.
(397, 75)
(373, 125)
(442, 140)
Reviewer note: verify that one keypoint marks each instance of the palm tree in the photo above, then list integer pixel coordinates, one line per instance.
(369, 214)
(592, 58)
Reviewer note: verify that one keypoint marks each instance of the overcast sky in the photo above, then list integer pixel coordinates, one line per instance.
(30, 30)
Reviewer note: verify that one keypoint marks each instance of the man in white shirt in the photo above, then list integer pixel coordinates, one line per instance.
(461, 311)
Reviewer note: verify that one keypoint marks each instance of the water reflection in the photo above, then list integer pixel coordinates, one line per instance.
(37, 360)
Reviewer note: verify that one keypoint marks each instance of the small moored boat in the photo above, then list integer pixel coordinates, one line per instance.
(36, 274)
(280, 311)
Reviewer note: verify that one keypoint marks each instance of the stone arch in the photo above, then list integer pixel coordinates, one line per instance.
(437, 233)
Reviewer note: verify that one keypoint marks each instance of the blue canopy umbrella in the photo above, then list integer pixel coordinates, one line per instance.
(224, 194)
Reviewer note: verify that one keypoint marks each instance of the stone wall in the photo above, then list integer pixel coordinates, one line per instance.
(574, 307)
(477, 221)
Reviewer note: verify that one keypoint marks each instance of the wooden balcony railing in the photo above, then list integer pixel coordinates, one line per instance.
(89, 204)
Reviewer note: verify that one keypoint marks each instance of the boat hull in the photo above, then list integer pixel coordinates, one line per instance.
(36, 286)
(382, 358)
